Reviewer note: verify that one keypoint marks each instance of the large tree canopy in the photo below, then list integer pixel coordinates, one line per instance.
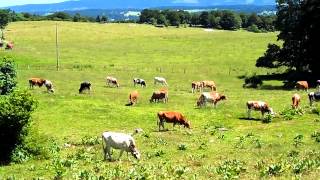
(299, 25)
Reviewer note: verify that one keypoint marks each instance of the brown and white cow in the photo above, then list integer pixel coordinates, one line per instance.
(212, 97)
(295, 101)
(133, 98)
(112, 81)
(208, 84)
(196, 86)
(259, 106)
(36, 82)
(9, 46)
(172, 117)
(302, 85)
(160, 95)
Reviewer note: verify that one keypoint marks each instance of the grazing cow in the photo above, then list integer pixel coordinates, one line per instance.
(160, 80)
(259, 106)
(295, 101)
(172, 117)
(112, 81)
(302, 85)
(139, 81)
(195, 86)
(86, 85)
(318, 85)
(314, 96)
(121, 141)
(133, 98)
(209, 84)
(36, 82)
(49, 86)
(9, 46)
(160, 95)
(212, 97)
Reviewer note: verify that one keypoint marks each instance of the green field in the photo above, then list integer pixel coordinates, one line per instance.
(91, 51)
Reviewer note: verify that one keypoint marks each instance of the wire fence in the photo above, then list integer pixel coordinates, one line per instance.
(165, 69)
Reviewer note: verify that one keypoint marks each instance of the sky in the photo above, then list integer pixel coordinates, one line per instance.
(5, 3)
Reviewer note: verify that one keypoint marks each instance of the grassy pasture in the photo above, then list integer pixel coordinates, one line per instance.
(181, 55)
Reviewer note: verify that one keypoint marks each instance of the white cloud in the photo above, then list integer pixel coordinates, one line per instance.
(5, 3)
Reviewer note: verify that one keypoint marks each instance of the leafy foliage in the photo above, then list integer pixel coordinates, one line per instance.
(7, 76)
(15, 118)
(231, 169)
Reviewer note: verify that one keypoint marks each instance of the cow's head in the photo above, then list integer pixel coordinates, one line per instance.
(51, 90)
(134, 151)
(272, 113)
(223, 97)
(187, 124)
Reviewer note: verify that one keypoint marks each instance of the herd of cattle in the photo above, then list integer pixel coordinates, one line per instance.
(125, 142)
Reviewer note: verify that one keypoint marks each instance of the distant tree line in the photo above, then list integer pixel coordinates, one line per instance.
(57, 16)
(218, 19)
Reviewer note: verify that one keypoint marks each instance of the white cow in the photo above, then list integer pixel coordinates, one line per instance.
(160, 80)
(124, 142)
(212, 97)
(112, 81)
(49, 86)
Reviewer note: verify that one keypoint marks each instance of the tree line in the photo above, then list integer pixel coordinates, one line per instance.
(12, 16)
(218, 19)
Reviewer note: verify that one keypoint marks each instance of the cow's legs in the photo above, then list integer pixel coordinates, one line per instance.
(108, 152)
(249, 113)
(121, 152)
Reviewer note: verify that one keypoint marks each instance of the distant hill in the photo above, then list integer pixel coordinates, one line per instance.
(132, 4)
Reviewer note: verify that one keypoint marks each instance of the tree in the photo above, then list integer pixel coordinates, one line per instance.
(204, 19)
(98, 19)
(254, 19)
(7, 77)
(230, 21)
(77, 17)
(162, 20)
(104, 19)
(299, 25)
(4, 20)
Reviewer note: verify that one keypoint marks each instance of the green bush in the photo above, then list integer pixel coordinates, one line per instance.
(290, 113)
(15, 118)
(254, 28)
(7, 76)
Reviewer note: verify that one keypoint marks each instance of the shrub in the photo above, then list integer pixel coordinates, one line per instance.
(15, 118)
(7, 76)
(290, 113)
(316, 136)
(273, 170)
(254, 28)
(267, 119)
(297, 141)
(231, 169)
(182, 147)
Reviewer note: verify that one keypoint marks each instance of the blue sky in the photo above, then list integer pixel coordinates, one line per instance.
(4, 3)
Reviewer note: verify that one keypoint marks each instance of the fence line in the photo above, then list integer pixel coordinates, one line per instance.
(165, 69)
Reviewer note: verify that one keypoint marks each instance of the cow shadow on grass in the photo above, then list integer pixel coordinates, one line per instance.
(249, 119)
